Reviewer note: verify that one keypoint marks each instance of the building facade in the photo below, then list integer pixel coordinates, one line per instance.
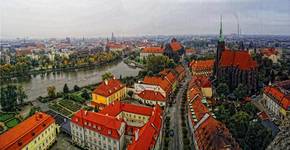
(37, 132)
(107, 92)
(235, 67)
(277, 101)
(115, 125)
(202, 67)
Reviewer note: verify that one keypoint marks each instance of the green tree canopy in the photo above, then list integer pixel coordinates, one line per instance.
(107, 76)
(51, 91)
(241, 91)
(158, 63)
(65, 89)
(222, 90)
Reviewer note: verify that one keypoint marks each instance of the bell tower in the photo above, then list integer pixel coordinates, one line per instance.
(220, 48)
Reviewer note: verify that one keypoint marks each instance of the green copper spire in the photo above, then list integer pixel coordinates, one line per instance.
(221, 37)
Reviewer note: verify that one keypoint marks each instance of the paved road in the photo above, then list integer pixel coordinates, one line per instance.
(175, 114)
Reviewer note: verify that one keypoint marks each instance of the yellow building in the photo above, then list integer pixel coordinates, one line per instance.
(107, 92)
(37, 132)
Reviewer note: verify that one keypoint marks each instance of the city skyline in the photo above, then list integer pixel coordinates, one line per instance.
(51, 18)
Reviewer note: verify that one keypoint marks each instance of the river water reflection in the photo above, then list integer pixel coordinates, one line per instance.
(37, 85)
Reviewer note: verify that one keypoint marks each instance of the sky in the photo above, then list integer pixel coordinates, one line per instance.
(99, 18)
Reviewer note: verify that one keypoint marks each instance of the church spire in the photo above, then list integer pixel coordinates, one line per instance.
(221, 37)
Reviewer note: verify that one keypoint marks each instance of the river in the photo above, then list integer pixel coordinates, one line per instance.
(37, 85)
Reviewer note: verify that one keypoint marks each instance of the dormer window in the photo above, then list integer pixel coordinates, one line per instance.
(99, 128)
(89, 124)
(85, 123)
(94, 126)
(109, 132)
(77, 120)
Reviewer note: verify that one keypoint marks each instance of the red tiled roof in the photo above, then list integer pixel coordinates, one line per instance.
(190, 50)
(199, 108)
(179, 69)
(104, 124)
(25, 132)
(148, 135)
(202, 64)
(152, 50)
(269, 51)
(199, 81)
(279, 97)
(175, 46)
(117, 107)
(263, 115)
(168, 75)
(159, 81)
(115, 46)
(240, 59)
(106, 90)
(151, 95)
(212, 134)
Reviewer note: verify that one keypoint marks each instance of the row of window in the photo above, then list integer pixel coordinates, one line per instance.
(47, 141)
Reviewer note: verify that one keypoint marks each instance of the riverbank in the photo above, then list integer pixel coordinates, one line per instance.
(27, 75)
(37, 85)
(133, 64)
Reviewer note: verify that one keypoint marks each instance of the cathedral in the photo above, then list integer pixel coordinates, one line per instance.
(235, 67)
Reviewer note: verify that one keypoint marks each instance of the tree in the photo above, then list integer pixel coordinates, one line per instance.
(239, 124)
(130, 93)
(241, 91)
(157, 63)
(222, 90)
(65, 89)
(21, 95)
(8, 98)
(107, 76)
(86, 95)
(51, 91)
(76, 88)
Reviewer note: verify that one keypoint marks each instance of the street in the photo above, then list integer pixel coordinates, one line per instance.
(175, 115)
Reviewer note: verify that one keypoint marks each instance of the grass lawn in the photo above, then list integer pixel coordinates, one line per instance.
(6, 116)
(13, 122)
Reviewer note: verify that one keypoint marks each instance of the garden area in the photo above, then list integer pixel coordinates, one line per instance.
(65, 107)
(8, 120)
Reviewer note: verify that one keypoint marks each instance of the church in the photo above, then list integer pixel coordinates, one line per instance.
(235, 67)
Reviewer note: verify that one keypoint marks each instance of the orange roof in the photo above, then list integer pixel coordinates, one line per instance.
(175, 46)
(179, 69)
(240, 59)
(152, 50)
(212, 134)
(269, 51)
(263, 115)
(159, 81)
(151, 95)
(148, 135)
(117, 107)
(202, 64)
(115, 46)
(103, 124)
(107, 89)
(190, 50)
(279, 97)
(25, 132)
(168, 75)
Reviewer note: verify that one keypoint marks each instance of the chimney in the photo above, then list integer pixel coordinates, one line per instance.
(106, 82)
(86, 112)
(136, 134)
